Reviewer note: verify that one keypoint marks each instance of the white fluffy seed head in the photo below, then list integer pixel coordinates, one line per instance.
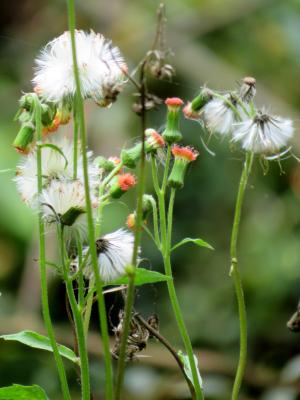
(101, 67)
(219, 117)
(114, 254)
(54, 166)
(61, 196)
(264, 133)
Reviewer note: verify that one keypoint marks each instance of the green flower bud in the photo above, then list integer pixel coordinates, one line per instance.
(172, 132)
(183, 156)
(191, 110)
(24, 138)
(131, 156)
(120, 184)
(104, 163)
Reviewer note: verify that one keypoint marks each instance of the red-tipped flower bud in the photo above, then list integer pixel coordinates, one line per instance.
(121, 184)
(172, 132)
(182, 157)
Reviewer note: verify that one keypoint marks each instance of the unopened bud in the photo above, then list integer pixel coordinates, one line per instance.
(172, 133)
(24, 138)
(121, 184)
(183, 156)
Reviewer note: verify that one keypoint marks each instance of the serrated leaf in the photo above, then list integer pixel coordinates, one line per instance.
(142, 277)
(198, 242)
(55, 148)
(19, 392)
(187, 367)
(37, 341)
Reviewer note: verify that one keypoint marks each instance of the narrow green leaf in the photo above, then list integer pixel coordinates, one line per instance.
(198, 242)
(55, 148)
(187, 367)
(19, 392)
(37, 341)
(142, 276)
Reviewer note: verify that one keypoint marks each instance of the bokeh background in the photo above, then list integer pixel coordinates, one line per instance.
(215, 42)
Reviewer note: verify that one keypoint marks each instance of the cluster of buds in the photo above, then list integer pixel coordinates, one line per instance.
(153, 142)
(51, 117)
(182, 157)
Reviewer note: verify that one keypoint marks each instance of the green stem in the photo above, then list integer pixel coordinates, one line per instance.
(89, 305)
(42, 264)
(75, 139)
(166, 171)
(89, 212)
(131, 275)
(84, 362)
(235, 274)
(166, 252)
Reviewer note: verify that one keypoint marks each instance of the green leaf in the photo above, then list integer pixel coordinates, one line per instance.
(19, 392)
(142, 276)
(198, 242)
(187, 367)
(55, 148)
(37, 341)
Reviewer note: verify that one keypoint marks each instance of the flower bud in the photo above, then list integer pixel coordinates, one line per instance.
(147, 203)
(24, 138)
(183, 156)
(48, 114)
(153, 141)
(172, 133)
(27, 101)
(107, 164)
(131, 221)
(191, 110)
(131, 156)
(121, 184)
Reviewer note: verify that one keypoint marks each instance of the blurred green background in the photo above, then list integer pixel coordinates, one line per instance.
(214, 42)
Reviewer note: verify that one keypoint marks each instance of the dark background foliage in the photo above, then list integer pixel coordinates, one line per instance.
(214, 42)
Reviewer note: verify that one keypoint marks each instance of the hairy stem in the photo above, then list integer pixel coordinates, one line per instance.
(235, 274)
(42, 264)
(89, 213)
(131, 275)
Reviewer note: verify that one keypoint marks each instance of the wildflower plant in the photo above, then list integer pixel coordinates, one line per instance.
(69, 188)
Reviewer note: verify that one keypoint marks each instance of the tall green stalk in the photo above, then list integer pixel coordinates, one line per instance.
(166, 234)
(235, 274)
(89, 212)
(42, 263)
(131, 271)
(84, 362)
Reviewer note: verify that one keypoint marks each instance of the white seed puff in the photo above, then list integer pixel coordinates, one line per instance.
(101, 67)
(114, 254)
(219, 116)
(263, 133)
(54, 166)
